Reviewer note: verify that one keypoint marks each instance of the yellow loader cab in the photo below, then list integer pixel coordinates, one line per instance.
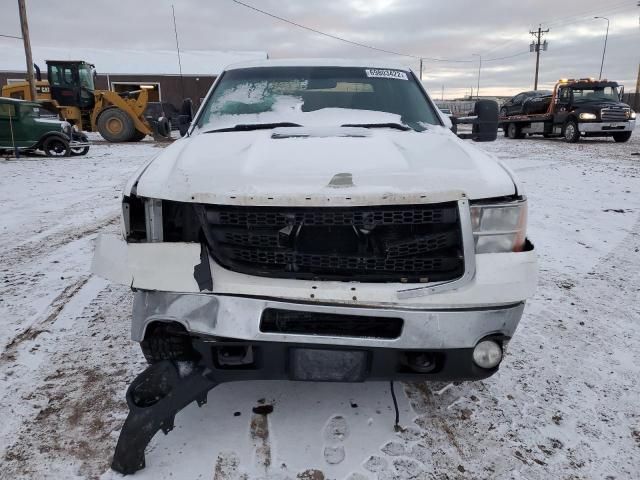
(70, 88)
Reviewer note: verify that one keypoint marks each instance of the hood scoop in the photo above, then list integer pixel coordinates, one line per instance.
(341, 180)
(319, 132)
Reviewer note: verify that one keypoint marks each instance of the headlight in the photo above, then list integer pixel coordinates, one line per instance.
(66, 128)
(633, 115)
(588, 116)
(499, 227)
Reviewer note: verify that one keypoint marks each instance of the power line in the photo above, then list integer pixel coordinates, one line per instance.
(10, 36)
(335, 37)
(508, 56)
(345, 40)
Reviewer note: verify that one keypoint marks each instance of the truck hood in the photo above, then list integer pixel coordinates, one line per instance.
(323, 166)
(597, 105)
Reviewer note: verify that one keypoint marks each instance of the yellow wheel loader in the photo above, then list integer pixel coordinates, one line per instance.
(70, 90)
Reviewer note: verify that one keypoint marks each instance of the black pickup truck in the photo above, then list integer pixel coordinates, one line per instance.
(578, 108)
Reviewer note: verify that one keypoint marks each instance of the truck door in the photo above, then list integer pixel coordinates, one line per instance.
(563, 105)
(64, 80)
(516, 105)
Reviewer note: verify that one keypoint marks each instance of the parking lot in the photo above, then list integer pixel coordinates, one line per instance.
(564, 405)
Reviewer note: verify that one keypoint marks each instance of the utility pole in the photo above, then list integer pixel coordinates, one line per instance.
(636, 99)
(442, 96)
(27, 47)
(535, 46)
(479, 67)
(420, 69)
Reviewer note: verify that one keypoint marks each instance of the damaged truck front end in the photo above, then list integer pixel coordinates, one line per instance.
(379, 247)
(244, 289)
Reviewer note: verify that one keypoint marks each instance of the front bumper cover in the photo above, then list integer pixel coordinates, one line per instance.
(238, 318)
(606, 127)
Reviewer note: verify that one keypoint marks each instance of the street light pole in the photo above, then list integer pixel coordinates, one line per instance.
(479, 67)
(604, 50)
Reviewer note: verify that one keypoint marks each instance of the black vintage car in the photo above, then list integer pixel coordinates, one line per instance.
(527, 103)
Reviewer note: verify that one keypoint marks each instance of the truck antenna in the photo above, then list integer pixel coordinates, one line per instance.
(175, 29)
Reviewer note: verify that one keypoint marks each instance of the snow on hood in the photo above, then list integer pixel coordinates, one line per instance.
(385, 165)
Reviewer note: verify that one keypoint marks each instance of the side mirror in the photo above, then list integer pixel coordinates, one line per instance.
(185, 117)
(485, 127)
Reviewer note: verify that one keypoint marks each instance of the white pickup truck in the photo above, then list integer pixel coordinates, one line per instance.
(320, 221)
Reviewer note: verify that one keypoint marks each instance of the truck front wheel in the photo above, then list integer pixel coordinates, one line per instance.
(514, 131)
(622, 137)
(55, 146)
(571, 132)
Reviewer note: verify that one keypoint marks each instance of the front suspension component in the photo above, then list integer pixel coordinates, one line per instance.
(154, 398)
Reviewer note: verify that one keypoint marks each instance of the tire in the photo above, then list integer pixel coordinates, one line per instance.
(56, 147)
(622, 137)
(164, 127)
(137, 136)
(514, 131)
(77, 152)
(115, 125)
(503, 112)
(167, 341)
(570, 131)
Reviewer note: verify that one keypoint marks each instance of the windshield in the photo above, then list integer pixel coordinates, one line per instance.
(86, 77)
(30, 111)
(318, 96)
(608, 93)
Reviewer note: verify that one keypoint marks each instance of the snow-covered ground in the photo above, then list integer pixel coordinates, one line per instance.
(564, 404)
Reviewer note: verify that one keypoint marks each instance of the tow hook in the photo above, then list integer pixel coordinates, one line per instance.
(154, 398)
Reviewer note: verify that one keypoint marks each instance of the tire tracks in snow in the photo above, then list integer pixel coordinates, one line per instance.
(39, 327)
(72, 404)
(35, 248)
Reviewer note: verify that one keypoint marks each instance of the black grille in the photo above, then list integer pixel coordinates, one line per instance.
(415, 243)
(335, 325)
(332, 216)
(615, 114)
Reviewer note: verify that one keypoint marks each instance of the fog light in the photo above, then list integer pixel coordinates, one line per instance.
(487, 354)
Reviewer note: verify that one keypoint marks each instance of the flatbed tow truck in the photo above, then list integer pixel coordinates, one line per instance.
(579, 108)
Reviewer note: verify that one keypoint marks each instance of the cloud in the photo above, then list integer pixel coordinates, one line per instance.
(452, 29)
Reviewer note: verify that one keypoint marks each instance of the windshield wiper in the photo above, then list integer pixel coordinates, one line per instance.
(246, 127)
(397, 126)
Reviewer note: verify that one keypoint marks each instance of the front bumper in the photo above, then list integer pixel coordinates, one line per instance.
(239, 318)
(606, 127)
(219, 324)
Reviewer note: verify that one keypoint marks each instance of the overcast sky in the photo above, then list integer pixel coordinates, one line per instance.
(448, 29)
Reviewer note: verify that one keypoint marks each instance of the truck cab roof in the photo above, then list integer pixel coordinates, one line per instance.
(17, 101)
